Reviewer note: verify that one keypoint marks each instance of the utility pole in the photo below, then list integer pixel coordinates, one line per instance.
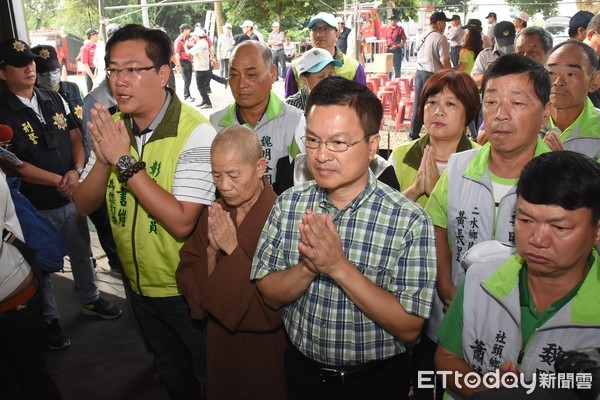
(145, 19)
(101, 19)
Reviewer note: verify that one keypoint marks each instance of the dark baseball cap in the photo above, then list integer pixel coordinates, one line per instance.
(492, 14)
(47, 60)
(15, 52)
(91, 32)
(439, 16)
(394, 18)
(472, 23)
(504, 32)
(580, 19)
(182, 27)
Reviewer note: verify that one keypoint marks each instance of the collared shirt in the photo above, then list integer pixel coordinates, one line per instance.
(280, 37)
(87, 54)
(432, 50)
(455, 35)
(180, 43)
(396, 36)
(388, 238)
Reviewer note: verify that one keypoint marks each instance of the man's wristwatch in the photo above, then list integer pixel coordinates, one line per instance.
(124, 162)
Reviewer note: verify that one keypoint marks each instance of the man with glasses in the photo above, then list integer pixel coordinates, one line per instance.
(48, 142)
(153, 167)
(350, 261)
(323, 35)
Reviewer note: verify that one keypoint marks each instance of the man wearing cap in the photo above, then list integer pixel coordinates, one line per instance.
(203, 54)
(323, 35)
(314, 66)
(48, 77)
(432, 56)
(48, 142)
(183, 60)
(578, 25)
(344, 32)
(224, 45)
(248, 29)
(492, 19)
(455, 36)
(279, 126)
(504, 32)
(520, 20)
(87, 57)
(276, 38)
(395, 40)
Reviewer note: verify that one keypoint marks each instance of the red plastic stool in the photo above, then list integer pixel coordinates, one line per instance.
(387, 95)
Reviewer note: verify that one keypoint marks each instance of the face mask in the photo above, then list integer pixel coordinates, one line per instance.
(49, 80)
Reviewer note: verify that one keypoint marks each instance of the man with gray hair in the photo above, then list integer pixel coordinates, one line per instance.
(534, 42)
(279, 126)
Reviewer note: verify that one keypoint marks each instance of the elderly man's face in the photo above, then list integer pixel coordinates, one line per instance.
(553, 240)
(512, 113)
(572, 77)
(250, 77)
(239, 180)
(339, 172)
(531, 46)
(323, 36)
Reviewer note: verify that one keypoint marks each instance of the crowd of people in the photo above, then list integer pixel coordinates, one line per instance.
(270, 238)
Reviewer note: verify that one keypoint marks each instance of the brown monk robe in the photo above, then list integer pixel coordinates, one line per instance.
(245, 339)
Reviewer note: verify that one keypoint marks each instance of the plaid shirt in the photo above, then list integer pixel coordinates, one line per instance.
(388, 238)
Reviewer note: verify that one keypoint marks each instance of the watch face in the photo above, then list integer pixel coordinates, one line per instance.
(125, 162)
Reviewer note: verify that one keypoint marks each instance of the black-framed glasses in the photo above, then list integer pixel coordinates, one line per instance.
(129, 72)
(321, 29)
(337, 146)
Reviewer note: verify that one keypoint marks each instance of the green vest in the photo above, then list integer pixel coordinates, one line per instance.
(347, 70)
(148, 252)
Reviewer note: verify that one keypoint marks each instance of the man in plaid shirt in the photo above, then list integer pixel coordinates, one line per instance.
(350, 261)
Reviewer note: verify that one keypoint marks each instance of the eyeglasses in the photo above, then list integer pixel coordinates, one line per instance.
(336, 146)
(129, 72)
(322, 29)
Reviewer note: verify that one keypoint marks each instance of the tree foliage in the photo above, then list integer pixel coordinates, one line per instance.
(545, 7)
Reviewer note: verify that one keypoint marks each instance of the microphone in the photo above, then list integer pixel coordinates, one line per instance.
(6, 133)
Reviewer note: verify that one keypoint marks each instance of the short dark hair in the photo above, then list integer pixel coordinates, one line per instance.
(587, 50)
(158, 45)
(339, 91)
(563, 178)
(543, 34)
(459, 83)
(513, 63)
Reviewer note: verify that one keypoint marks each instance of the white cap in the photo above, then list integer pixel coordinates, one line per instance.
(329, 19)
(314, 60)
(275, 24)
(199, 32)
(248, 24)
(228, 25)
(521, 15)
(340, 20)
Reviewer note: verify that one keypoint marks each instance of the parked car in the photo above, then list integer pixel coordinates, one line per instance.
(558, 28)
